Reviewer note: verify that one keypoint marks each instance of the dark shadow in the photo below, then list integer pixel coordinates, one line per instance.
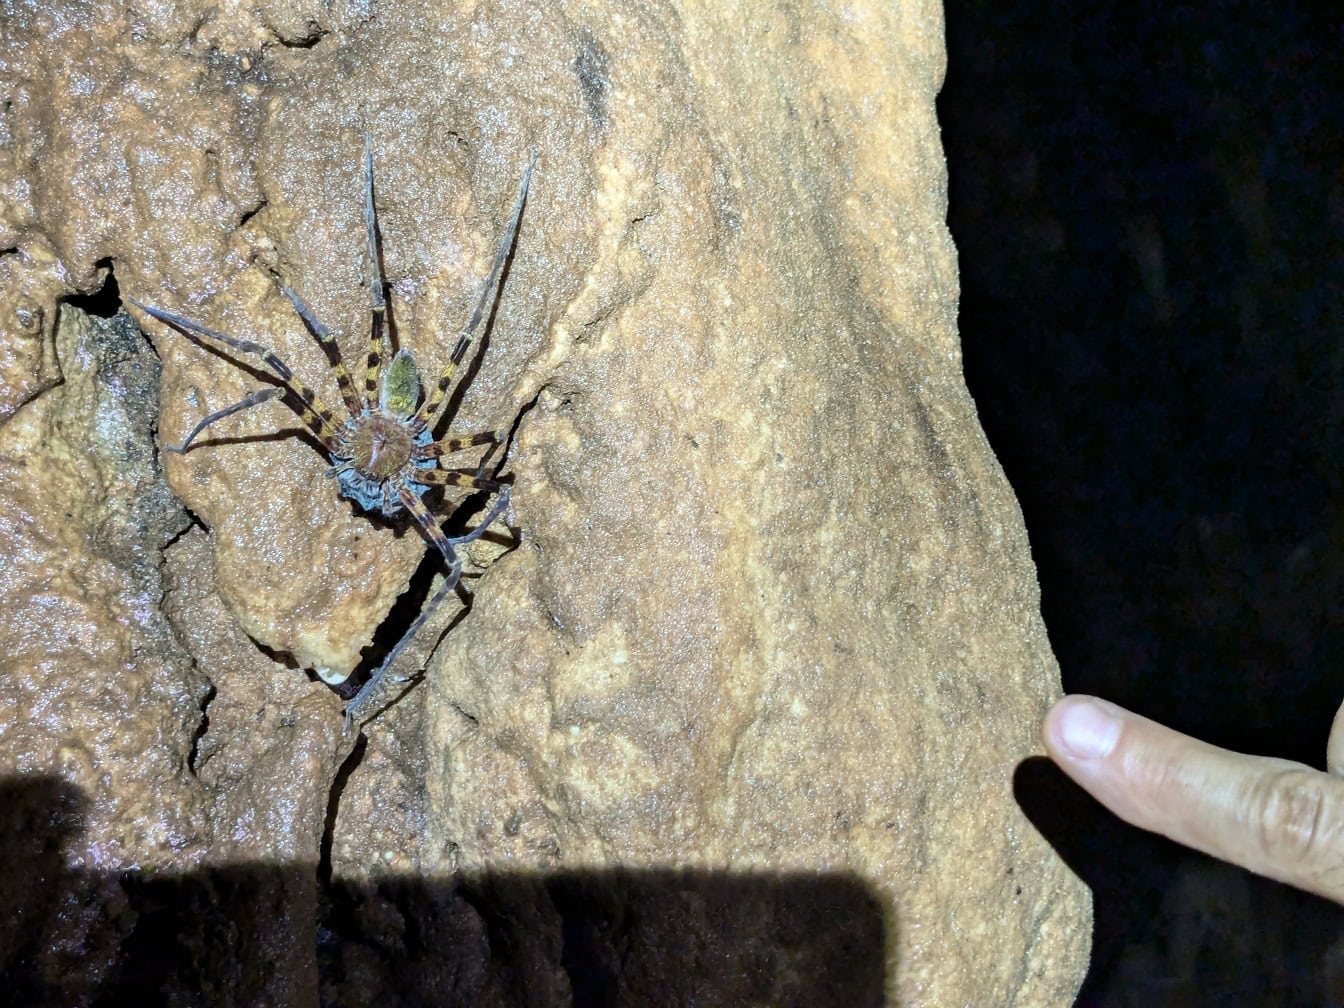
(272, 934)
(38, 818)
(1096, 847)
(1145, 201)
(1066, 815)
(103, 303)
(281, 433)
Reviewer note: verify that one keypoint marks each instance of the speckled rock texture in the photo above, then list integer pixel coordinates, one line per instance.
(728, 714)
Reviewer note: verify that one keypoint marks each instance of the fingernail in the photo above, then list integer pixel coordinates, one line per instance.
(1087, 729)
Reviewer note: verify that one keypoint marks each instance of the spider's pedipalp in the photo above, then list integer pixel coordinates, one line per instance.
(247, 402)
(429, 411)
(329, 346)
(311, 410)
(377, 296)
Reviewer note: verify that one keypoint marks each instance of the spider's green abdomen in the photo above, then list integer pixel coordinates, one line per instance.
(399, 392)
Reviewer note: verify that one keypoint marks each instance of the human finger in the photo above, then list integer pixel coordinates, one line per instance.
(1274, 817)
(1334, 748)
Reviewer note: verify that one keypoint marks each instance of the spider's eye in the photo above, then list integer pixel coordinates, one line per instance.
(400, 391)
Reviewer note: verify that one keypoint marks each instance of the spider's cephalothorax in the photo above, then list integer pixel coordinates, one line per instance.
(383, 444)
(384, 455)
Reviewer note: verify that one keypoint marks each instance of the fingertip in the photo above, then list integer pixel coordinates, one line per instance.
(1082, 728)
(1334, 747)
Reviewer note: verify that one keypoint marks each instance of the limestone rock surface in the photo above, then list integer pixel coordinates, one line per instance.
(734, 713)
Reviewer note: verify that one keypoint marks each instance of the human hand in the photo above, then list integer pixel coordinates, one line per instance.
(1277, 818)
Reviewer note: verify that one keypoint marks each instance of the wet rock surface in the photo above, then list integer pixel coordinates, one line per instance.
(735, 711)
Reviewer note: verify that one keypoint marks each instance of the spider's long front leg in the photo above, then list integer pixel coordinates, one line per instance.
(373, 697)
(377, 296)
(331, 348)
(429, 411)
(247, 402)
(314, 414)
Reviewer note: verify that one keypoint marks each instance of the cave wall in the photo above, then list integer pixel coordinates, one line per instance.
(736, 706)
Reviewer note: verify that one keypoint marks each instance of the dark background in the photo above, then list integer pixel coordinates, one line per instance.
(1148, 204)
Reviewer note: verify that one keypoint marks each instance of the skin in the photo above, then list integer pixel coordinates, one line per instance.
(1277, 818)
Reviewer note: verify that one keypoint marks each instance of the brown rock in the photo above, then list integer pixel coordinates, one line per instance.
(98, 705)
(96, 693)
(738, 718)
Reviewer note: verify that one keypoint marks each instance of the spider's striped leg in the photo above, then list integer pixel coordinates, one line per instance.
(255, 399)
(456, 478)
(501, 505)
(315, 416)
(377, 296)
(333, 351)
(428, 412)
(372, 697)
(452, 446)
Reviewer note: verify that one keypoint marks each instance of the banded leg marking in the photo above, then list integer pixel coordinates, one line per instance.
(330, 347)
(455, 478)
(429, 411)
(315, 416)
(451, 446)
(377, 295)
(370, 699)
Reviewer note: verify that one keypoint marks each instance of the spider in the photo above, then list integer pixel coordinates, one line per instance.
(383, 456)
